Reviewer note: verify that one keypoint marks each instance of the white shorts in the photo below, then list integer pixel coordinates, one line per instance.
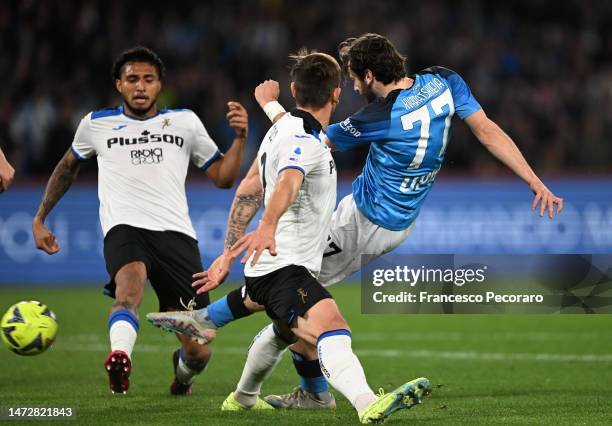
(353, 235)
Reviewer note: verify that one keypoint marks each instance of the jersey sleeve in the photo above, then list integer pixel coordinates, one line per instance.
(301, 152)
(82, 146)
(465, 103)
(204, 150)
(365, 126)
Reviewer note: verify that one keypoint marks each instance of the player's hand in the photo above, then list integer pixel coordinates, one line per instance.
(255, 243)
(45, 240)
(7, 173)
(238, 119)
(546, 198)
(215, 275)
(268, 91)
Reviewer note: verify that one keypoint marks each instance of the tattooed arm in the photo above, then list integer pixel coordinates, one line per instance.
(244, 207)
(247, 200)
(64, 174)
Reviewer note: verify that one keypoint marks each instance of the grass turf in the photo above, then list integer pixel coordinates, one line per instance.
(485, 369)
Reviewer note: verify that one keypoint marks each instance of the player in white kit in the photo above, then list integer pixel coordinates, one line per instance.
(143, 154)
(295, 175)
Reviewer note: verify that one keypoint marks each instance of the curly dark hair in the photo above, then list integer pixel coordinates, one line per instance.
(372, 52)
(138, 54)
(315, 75)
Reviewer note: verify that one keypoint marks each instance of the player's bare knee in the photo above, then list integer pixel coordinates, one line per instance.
(307, 350)
(252, 306)
(285, 332)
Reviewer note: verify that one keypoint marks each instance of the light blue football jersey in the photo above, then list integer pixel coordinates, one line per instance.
(408, 132)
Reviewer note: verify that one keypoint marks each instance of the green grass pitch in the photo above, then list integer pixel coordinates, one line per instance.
(485, 369)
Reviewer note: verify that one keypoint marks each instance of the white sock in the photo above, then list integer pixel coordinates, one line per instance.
(264, 354)
(342, 368)
(122, 337)
(123, 330)
(186, 374)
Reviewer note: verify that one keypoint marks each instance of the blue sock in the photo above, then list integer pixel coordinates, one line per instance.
(123, 315)
(220, 313)
(311, 378)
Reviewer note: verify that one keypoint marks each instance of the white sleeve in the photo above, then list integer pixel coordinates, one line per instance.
(204, 150)
(301, 153)
(82, 146)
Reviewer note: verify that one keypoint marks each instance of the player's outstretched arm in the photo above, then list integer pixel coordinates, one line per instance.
(245, 205)
(254, 243)
(226, 170)
(60, 181)
(7, 173)
(504, 149)
(267, 94)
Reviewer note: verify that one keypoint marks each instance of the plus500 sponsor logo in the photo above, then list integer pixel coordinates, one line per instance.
(146, 137)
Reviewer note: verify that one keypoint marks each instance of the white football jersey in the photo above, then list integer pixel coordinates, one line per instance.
(142, 165)
(296, 142)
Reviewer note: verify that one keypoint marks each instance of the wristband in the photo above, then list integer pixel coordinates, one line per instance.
(272, 109)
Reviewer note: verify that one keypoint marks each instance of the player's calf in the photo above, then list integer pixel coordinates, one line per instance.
(123, 324)
(188, 362)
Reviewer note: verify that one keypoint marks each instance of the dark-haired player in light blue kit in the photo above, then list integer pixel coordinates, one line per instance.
(407, 124)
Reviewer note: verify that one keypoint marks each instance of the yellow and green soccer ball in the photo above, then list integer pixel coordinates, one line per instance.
(28, 328)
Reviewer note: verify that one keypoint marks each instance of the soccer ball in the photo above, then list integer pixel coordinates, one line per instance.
(28, 328)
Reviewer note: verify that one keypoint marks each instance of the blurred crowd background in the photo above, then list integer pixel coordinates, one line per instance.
(541, 69)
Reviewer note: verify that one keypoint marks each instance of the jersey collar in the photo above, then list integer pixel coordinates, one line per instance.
(159, 111)
(310, 123)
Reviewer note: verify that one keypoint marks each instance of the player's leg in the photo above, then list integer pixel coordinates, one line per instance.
(202, 323)
(127, 264)
(235, 305)
(343, 243)
(265, 352)
(323, 323)
(188, 361)
(130, 282)
(351, 235)
(276, 291)
(123, 324)
(176, 258)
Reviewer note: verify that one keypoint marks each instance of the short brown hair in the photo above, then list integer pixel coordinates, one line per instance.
(315, 75)
(375, 53)
(138, 54)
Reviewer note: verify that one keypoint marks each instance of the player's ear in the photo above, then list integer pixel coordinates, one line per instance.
(336, 95)
(292, 86)
(118, 85)
(368, 78)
